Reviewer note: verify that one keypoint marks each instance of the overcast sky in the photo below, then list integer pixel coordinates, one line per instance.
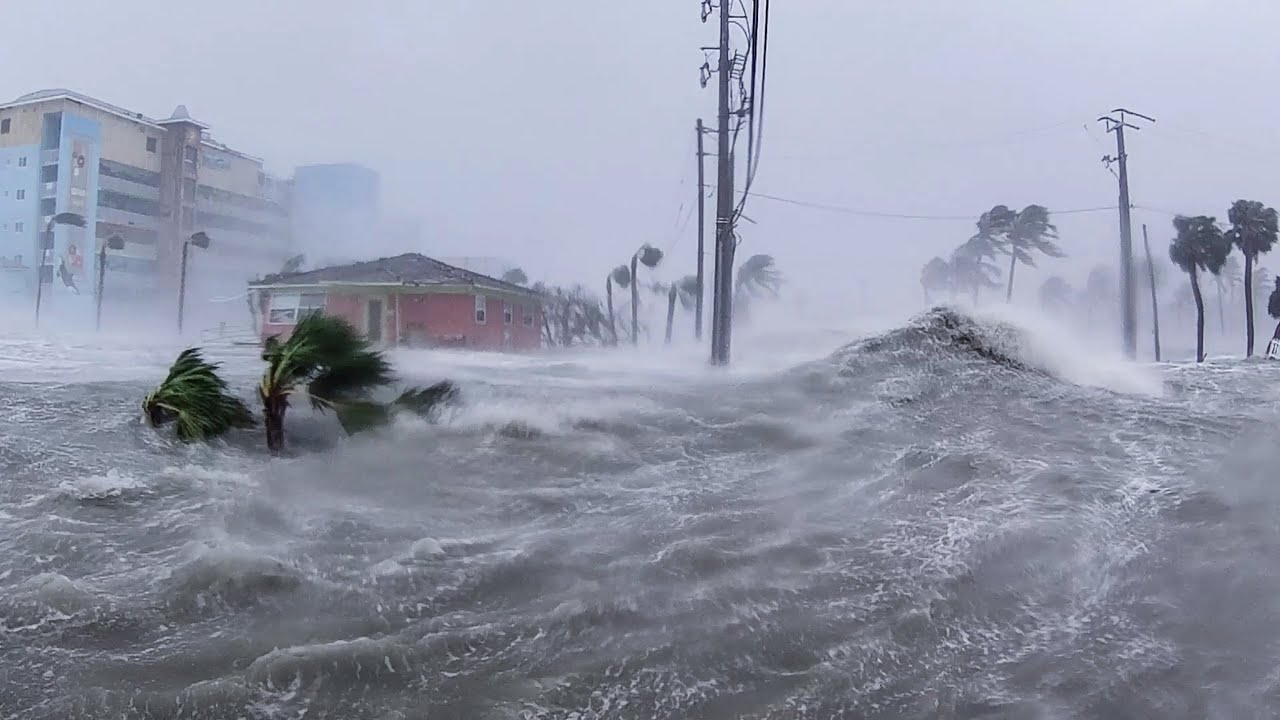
(559, 134)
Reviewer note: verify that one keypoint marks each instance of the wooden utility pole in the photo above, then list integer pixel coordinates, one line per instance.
(702, 196)
(721, 306)
(1128, 311)
(1151, 278)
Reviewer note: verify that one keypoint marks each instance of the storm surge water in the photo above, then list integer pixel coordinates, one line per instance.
(962, 517)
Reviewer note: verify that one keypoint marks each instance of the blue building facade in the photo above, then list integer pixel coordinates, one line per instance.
(19, 210)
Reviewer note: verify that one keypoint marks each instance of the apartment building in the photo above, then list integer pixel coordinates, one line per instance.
(153, 182)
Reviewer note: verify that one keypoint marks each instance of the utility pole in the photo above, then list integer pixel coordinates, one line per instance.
(702, 189)
(1117, 122)
(721, 308)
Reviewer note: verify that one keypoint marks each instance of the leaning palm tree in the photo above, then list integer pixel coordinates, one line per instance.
(935, 276)
(1198, 245)
(649, 256)
(756, 277)
(973, 266)
(1029, 233)
(621, 276)
(1273, 309)
(1055, 294)
(686, 291)
(1253, 230)
(328, 359)
(195, 399)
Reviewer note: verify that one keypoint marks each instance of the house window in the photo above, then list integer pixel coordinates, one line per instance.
(17, 227)
(4, 126)
(508, 313)
(289, 308)
(20, 194)
(480, 310)
(151, 144)
(22, 161)
(528, 316)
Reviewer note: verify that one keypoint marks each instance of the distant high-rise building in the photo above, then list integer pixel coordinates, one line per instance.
(152, 182)
(335, 212)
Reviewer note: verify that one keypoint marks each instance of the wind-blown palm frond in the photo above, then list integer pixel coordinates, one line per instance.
(757, 276)
(195, 398)
(425, 402)
(621, 276)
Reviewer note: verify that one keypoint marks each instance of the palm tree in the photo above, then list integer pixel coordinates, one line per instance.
(1253, 230)
(515, 276)
(1055, 294)
(935, 276)
(973, 266)
(326, 357)
(621, 276)
(686, 291)
(195, 398)
(757, 276)
(1029, 233)
(1100, 287)
(1199, 245)
(293, 264)
(649, 256)
(1273, 309)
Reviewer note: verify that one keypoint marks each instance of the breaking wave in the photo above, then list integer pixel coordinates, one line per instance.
(972, 515)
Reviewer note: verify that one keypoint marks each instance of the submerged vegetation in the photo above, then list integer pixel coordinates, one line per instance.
(324, 358)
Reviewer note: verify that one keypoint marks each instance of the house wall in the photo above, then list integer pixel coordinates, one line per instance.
(436, 319)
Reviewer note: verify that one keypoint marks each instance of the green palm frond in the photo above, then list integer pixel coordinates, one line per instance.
(195, 398)
(426, 402)
(328, 356)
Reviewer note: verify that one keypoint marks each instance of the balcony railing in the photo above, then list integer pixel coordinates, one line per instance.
(49, 156)
(48, 190)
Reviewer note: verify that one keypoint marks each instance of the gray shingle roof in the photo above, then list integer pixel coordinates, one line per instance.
(408, 269)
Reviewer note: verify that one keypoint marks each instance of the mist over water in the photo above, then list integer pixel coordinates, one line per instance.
(967, 515)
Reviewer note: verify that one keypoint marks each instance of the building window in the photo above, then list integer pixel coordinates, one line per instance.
(480, 310)
(528, 316)
(19, 194)
(151, 144)
(508, 313)
(288, 309)
(17, 227)
(4, 126)
(22, 161)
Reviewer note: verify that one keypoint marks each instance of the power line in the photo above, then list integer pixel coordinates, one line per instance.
(902, 216)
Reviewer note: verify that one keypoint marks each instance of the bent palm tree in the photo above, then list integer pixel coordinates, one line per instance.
(973, 265)
(935, 276)
(1199, 245)
(1030, 233)
(1253, 230)
(195, 398)
(621, 276)
(326, 357)
(686, 291)
(649, 256)
(756, 277)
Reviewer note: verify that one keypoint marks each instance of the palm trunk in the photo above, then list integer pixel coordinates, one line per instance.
(671, 311)
(1195, 290)
(635, 302)
(273, 409)
(1013, 265)
(1248, 304)
(1155, 306)
(608, 294)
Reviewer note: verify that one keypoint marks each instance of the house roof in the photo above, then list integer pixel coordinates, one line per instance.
(411, 269)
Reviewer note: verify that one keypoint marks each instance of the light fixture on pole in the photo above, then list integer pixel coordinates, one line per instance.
(201, 241)
(46, 250)
(115, 242)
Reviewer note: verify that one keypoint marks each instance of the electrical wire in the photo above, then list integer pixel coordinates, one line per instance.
(903, 216)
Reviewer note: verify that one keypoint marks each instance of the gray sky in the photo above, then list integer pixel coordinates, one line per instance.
(559, 134)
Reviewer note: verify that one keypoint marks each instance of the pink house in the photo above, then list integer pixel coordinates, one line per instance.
(407, 300)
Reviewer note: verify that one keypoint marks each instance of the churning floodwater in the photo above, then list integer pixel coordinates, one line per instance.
(956, 518)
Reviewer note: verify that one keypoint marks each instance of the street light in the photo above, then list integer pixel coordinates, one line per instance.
(201, 241)
(115, 242)
(46, 246)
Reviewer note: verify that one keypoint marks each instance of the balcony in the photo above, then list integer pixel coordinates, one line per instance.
(48, 190)
(128, 187)
(49, 156)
